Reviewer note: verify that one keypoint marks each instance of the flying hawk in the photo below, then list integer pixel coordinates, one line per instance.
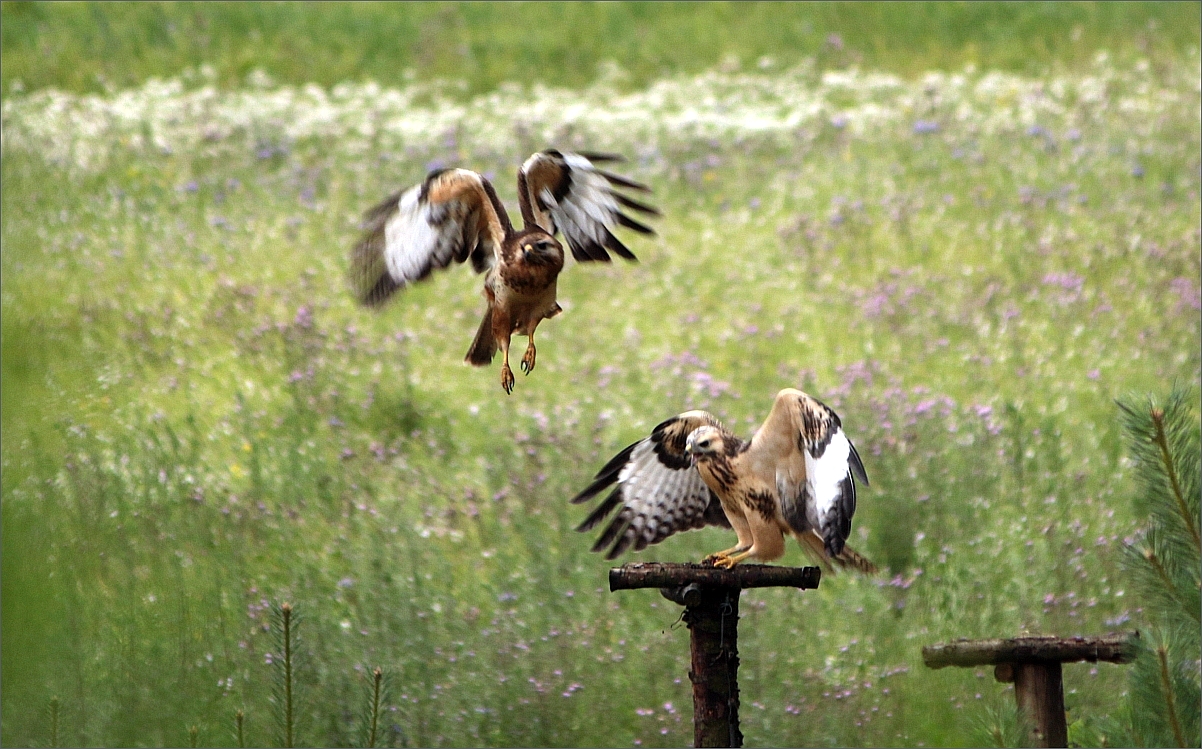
(455, 215)
(796, 476)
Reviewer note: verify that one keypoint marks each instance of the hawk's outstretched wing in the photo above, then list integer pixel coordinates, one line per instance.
(802, 430)
(566, 193)
(453, 215)
(658, 490)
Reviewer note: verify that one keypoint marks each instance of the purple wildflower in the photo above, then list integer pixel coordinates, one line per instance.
(1188, 293)
(1069, 283)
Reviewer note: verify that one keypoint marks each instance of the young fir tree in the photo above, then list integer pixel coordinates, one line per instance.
(283, 689)
(1165, 568)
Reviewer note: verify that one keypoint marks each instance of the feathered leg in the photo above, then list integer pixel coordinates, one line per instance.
(528, 359)
(502, 328)
(768, 544)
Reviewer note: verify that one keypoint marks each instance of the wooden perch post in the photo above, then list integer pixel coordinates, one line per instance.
(711, 599)
(1033, 664)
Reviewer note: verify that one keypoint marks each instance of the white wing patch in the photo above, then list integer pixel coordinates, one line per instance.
(409, 239)
(826, 475)
(430, 226)
(423, 235)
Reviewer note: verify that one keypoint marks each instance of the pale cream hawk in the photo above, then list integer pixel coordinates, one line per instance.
(795, 477)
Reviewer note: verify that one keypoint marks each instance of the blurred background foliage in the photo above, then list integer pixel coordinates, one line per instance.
(199, 424)
(89, 47)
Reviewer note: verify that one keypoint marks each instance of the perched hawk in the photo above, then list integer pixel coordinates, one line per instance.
(455, 215)
(796, 476)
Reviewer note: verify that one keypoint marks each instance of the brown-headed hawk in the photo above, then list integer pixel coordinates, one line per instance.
(796, 476)
(456, 215)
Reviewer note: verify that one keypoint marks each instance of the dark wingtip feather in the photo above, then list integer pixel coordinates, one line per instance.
(381, 209)
(613, 531)
(601, 511)
(601, 158)
(857, 466)
(621, 545)
(620, 181)
(613, 243)
(611, 469)
(630, 223)
(380, 292)
(604, 479)
(636, 205)
(588, 251)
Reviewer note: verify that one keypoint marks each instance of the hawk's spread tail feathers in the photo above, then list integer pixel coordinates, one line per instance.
(484, 348)
(848, 558)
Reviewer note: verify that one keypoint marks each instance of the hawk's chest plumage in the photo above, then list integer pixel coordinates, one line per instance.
(718, 473)
(727, 475)
(525, 277)
(525, 290)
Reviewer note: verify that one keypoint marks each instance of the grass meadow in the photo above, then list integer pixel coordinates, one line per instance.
(969, 260)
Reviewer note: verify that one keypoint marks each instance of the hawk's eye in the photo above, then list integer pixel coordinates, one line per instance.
(543, 244)
(704, 444)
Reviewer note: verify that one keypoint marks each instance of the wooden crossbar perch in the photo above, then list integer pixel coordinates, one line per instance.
(1033, 664)
(711, 599)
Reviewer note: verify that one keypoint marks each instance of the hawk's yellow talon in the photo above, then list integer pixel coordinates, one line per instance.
(507, 379)
(528, 359)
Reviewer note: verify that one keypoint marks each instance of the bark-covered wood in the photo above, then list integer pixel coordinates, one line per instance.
(669, 575)
(711, 599)
(1114, 648)
(714, 643)
(1039, 690)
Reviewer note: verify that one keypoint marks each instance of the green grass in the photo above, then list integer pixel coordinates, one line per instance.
(199, 423)
(86, 47)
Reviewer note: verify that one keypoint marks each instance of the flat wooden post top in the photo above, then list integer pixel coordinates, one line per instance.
(671, 575)
(710, 596)
(1118, 647)
(1033, 664)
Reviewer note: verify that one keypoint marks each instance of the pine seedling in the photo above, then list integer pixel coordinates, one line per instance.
(1002, 726)
(54, 705)
(376, 698)
(239, 734)
(284, 623)
(1165, 564)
